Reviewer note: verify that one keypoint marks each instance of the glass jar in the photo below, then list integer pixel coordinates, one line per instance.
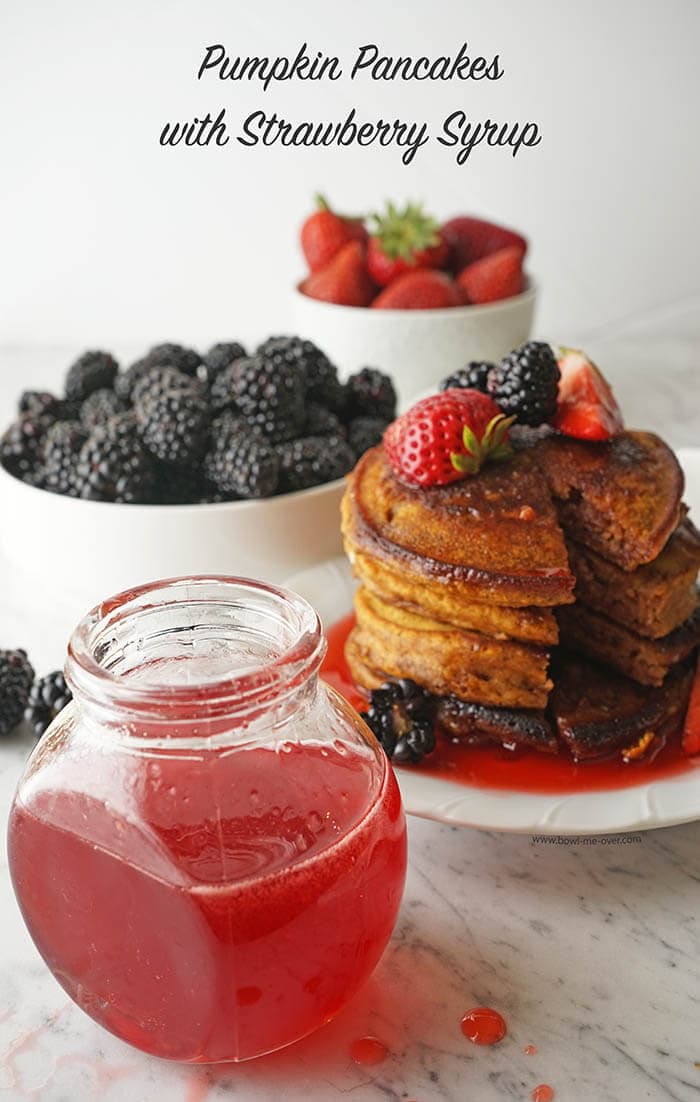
(208, 845)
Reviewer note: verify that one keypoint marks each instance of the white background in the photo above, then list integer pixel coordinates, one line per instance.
(107, 238)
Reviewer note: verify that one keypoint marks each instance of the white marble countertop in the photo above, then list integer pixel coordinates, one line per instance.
(590, 951)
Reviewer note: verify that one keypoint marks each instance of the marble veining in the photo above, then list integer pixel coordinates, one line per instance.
(591, 953)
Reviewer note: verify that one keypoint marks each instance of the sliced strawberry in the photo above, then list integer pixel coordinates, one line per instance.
(404, 240)
(471, 238)
(344, 280)
(586, 406)
(691, 727)
(496, 276)
(324, 233)
(446, 438)
(424, 289)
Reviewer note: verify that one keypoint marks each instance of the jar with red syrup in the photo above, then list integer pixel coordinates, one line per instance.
(208, 845)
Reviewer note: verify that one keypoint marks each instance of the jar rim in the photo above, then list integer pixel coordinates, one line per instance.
(236, 690)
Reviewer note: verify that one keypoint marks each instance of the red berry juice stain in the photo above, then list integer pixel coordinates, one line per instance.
(368, 1051)
(542, 1093)
(530, 1050)
(483, 1026)
(491, 766)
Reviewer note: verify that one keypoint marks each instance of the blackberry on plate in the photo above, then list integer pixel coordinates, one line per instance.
(91, 371)
(267, 394)
(472, 377)
(370, 393)
(364, 433)
(402, 716)
(38, 403)
(61, 451)
(48, 696)
(174, 355)
(526, 382)
(174, 425)
(322, 422)
(218, 357)
(16, 677)
(313, 460)
(241, 462)
(156, 380)
(99, 407)
(321, 376)
(114, 465)
(21, 445)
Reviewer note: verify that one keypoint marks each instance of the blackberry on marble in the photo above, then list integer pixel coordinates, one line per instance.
(313, 460)
(16, 678)
(48, 696)
(91, 371)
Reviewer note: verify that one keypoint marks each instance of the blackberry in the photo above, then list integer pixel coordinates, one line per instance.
(402, 716)
(48, 696)
(472, 377)
(127, 380)
(364, 433)
(266, 393)
(38, 403)
(322, 422)
(370, 393)
(114, 465)
(91, 371)
(99, 407)
(21, 444)
(218, 357)
(180, 485)
(320, 375)
(174, 355)
(16, 677)
(313, 460)
(157, 380)
(221, 390)
(525, 384)
(61, 451)
(174, 425)
(241, 462)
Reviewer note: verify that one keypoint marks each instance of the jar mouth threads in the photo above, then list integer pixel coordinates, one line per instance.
(186, 648)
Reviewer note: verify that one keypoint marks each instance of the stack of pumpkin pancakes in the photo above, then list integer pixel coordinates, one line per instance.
(551, 599)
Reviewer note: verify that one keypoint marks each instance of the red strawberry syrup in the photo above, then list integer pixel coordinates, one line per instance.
(483, 1026)
(229, 914)
(530, 1050)
(490, 766)
(368, 1051)
(542, 1093)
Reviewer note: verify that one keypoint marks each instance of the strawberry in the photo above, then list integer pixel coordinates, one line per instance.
(424, 289)
(446, 437)
(403, 241)
(691, 727)
(586, 406)
(471, 238)
(344, 279)
(324, 233)
(496, 276)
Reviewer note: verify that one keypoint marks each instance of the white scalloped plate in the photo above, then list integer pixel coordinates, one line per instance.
(328, 587)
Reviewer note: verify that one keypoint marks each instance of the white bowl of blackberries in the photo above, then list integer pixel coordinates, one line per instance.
(225, 462)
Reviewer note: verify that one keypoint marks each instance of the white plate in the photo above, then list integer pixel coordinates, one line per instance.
(671, 800)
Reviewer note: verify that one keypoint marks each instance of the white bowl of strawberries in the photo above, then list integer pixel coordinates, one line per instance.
(415, 297)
